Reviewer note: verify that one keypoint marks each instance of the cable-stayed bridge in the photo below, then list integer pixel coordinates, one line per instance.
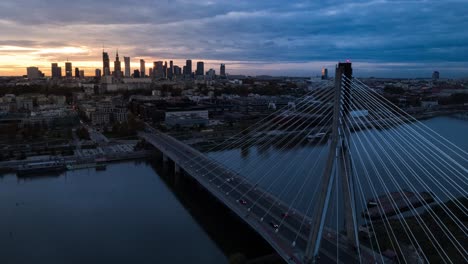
(358, 196)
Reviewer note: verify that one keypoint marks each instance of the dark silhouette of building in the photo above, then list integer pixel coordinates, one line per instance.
(177, 70)
(56, 71)
(105, 64)
(142, 68)
(170, 71)
(127, 66)
(435, 75)
(324, 73)
(188, 67)
(200, 68)
(97, 73)
(165, 70)
(77, 73)
(222, 70)
(136, 74)
(117, 66)
(158, 69)
(68, 69)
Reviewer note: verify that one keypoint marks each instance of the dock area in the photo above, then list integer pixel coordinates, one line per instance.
(82, 158)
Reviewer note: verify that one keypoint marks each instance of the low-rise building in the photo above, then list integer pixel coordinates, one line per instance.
(187, 118)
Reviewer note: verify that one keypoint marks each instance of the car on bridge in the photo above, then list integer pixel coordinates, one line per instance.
(275, 226)
(242, 201)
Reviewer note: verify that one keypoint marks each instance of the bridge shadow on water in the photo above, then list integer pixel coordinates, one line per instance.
(233, 236)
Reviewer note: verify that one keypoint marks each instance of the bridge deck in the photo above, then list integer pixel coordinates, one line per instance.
(261, 209)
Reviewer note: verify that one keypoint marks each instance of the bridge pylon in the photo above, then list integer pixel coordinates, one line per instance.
(338, 165)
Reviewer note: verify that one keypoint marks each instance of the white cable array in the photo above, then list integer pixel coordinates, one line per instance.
(423, 156)
(436, 218)
(409, 182)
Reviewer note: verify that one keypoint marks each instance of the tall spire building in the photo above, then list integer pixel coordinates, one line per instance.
(117, 66)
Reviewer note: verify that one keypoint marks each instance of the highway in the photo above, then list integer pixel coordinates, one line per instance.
(287, 231)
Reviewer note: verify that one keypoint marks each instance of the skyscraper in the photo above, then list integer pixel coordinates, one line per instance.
(68, 70)
(188, 67)
(77, 73)
(170, 70)
(158, 69)
(200, 68)
(435, 75)
(33, 73)
(177, 70)
(165, 69)
(324, 73)
(142, 68)
(117, 66)
(56, 71)
(97, 73)
(127, 66)
(222, 70)
(82, 74)
(136, 74)
(105, 64)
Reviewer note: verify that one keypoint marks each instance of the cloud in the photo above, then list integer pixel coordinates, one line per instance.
(423, 34)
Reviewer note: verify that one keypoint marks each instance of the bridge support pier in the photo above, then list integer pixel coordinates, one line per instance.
(165, 162)
(177, 169)
(165, 158)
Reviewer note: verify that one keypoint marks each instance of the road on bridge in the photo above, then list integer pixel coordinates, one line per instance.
(273, 219)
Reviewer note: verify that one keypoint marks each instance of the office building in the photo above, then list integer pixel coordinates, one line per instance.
(171, 68)
(82, 74)
(142, 68)
(105, 64)
(68, 70)
(127, 66)
(211, 73)
(188, 67)
(97, 73)
(150, 71)
(56, 71)
(33, 73)
(435, 75)
(200, 69)
(136, 74)
(222, 70)
(158, 69)
(324, 73)
(177, 70)
(77, 73)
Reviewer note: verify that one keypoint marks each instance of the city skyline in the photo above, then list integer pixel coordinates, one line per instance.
(297, 38)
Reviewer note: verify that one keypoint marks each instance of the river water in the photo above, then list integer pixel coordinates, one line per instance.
(129, 213)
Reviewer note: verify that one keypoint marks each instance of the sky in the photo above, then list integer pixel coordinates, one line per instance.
(382, 38)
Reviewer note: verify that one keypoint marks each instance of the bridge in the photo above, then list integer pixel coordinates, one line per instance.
(237, 193)
(301, 236)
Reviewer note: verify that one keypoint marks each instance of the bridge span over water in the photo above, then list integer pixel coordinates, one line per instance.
(238, 194)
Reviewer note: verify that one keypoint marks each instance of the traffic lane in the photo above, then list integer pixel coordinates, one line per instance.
(259, 198)
(260, 212)
(253, 195)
